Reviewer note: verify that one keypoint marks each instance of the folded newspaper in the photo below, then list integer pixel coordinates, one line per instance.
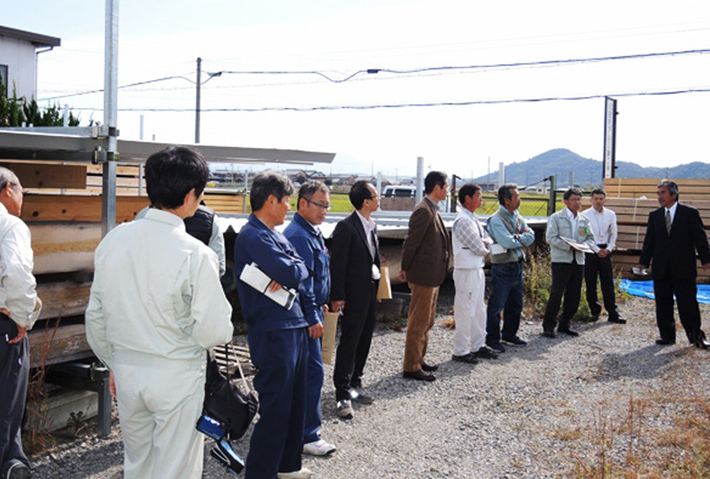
(257, 279)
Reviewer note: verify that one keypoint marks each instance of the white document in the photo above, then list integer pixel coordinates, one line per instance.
(497, 249)
(257, 279)
(578, 246)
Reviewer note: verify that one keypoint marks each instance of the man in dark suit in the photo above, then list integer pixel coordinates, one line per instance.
(674, 233)
(355, 274)
(425, 262)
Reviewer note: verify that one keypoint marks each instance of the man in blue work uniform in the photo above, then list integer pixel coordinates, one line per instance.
(313, 206)
(278, 335)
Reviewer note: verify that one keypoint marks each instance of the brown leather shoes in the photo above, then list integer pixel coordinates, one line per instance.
(419, 375)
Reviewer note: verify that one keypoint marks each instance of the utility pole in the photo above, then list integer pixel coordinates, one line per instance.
(197, 100)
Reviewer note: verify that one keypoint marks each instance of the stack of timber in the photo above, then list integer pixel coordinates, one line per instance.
(62, 207)
(632, 199)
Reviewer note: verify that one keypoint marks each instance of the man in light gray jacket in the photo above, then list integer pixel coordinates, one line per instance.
(565, 227)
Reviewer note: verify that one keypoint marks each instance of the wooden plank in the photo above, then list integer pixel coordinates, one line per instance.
(64, 246)
(40, 175)
(78, 208)
(50, 345)
(120, 170)
(125, 182)
(63, 299)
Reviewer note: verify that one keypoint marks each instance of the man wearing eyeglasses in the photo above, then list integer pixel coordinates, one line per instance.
(306, 237)
(19, 309)
(355, 275)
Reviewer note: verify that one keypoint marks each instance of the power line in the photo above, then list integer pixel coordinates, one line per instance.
(413, 105)
(371, 71)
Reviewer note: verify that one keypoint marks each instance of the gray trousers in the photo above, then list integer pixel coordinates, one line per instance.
(14, 375)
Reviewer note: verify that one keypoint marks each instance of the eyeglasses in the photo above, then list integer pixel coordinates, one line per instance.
(327, 207)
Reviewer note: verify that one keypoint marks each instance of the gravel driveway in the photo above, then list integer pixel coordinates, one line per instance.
(555, 408)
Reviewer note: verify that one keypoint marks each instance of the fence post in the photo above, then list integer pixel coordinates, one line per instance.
(552, 202)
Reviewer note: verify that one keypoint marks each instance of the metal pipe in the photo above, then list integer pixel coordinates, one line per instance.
(108, 186)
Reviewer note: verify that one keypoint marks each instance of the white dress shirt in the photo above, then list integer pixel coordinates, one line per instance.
(603, 226)
(17, 284)
(156, 291)
(671, 210)
(369, 226)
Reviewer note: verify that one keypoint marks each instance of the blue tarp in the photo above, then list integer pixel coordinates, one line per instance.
(645, 290)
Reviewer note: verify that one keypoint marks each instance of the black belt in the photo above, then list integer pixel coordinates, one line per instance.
(602, 245)
(4, 317)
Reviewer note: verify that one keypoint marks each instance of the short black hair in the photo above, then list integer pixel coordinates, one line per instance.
(171, 173)
(572, 191)
(672, 187)
(598, 191)
(432, 179)
(469, 189)
(310, 188)
(268, 183)
(359, 193)
(506, 192)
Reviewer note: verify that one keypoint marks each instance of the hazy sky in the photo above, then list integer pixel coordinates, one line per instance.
(337, 38)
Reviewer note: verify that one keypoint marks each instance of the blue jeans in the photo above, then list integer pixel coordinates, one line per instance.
(507, 296)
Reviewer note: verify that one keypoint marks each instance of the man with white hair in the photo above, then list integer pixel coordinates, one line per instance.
(19, 309)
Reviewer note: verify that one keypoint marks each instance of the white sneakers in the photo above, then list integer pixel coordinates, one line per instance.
(318, 448)
(302, 474)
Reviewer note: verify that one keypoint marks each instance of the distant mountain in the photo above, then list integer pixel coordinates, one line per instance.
(587, 172)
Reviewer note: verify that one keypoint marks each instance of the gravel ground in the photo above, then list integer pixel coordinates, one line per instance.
(538, 411)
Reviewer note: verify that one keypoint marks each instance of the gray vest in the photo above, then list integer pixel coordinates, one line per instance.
(515, 229)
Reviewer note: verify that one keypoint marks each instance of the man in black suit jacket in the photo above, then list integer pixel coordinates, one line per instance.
(674, 233)
(355, 274)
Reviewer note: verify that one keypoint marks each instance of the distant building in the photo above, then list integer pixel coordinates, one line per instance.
(18, 60)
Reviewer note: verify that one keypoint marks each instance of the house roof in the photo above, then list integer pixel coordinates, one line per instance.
(36, 39)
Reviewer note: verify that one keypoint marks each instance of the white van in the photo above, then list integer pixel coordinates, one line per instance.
(399, 191)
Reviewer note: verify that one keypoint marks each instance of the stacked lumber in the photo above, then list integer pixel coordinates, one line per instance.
(62, 208)
(632, 199)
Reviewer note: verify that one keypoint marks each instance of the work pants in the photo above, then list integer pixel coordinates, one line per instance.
(422, 313)
(14, 375)
(315, 385)
(469, 311)
(159, 403)
(356, 327)
(567, 282)
(603, 268)
(507, 297)
(685, 291)
(277, 441)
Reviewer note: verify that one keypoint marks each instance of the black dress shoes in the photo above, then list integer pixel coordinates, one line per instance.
(617, 320)
(419, 375)
(358, 395)
(665, 342)
(549, 334)
(568, 331)
(594, 318)
(430, 368)
(701, 342)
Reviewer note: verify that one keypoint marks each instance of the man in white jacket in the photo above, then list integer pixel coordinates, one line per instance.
(156, 306)
(19, 309)
(470, 245)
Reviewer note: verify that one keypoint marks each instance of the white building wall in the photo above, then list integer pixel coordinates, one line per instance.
(19, 56)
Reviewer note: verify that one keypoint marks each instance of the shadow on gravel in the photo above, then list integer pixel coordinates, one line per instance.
(81, 464)
(644, 363)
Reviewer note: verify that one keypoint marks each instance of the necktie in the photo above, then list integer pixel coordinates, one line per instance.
(668, 222)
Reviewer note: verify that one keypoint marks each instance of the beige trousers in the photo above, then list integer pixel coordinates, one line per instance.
(422, 312)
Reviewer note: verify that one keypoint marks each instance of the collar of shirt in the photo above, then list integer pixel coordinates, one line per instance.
(305, 224)
(505, 211)
(436, 205)
(672, 210)
(164, 217)
(569, 214)
(3, 210)
(369, 225)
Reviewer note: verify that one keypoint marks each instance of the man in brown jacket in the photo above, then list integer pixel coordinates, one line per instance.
(425, 262)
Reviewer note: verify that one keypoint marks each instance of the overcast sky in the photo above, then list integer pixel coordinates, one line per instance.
(338, 38)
